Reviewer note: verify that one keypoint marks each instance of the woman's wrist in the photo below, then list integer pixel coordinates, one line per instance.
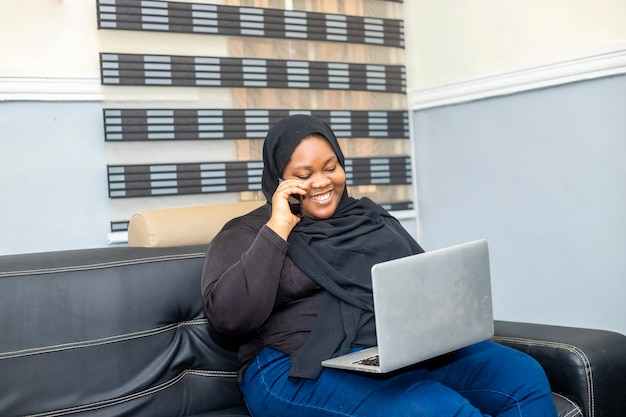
(281, 227)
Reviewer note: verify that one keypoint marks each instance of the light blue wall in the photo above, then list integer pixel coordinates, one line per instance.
(53, 183)
(542, 176)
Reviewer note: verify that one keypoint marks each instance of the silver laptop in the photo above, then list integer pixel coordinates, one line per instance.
(426, 305)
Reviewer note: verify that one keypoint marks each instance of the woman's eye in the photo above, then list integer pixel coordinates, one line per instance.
(331, 169)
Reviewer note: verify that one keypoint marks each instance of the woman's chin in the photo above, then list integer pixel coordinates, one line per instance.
(320, 212)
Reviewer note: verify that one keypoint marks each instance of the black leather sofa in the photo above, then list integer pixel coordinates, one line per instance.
(121, 332)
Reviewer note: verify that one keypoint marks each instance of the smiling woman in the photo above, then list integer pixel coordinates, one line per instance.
(303, 293)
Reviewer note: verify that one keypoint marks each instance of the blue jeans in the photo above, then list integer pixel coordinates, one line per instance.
(486, 379)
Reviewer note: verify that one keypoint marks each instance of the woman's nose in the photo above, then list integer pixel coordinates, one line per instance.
(320, 181)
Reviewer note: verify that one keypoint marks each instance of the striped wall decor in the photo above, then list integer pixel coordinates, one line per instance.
(366, 49)
(220, 124)
(236, 176)
(166, 70)
(198, 18)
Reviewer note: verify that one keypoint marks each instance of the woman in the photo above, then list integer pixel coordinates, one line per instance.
(296, 289)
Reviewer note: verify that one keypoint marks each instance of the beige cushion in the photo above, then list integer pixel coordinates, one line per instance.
(183, 226)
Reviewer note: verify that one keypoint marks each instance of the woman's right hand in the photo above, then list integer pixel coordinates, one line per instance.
(282, 220)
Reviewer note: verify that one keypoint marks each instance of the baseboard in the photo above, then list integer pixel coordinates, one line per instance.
(579, 69)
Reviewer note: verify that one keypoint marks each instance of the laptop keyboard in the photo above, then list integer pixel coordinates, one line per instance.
(371, 361)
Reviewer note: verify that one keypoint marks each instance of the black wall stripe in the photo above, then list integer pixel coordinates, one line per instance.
(218, 124)
(236, 176)
(166, 70)
(247, 21)
(119, 226)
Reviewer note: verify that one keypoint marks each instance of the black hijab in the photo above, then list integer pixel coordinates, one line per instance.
(337, 253)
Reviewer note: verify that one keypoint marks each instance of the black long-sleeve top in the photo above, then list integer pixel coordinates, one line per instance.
(250, 287)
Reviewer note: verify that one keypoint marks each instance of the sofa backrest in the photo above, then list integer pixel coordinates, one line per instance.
(183, 226)
(110, 332)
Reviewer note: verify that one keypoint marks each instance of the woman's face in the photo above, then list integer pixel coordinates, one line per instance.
(314, 162)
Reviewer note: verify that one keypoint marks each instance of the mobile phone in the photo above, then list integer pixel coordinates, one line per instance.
(295, 202)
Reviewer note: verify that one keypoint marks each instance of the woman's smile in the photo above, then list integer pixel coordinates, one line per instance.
(322, 198)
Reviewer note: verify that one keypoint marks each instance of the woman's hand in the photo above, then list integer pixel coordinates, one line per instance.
(283, 220)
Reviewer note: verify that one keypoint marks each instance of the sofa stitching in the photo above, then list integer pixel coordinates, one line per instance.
(576, 412)
(102, 265)
(207, 373)
(150, 391)
(100, 341)
(571, 348)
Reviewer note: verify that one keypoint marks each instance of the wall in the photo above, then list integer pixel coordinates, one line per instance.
(54, 187)
(52, 154)
(541, 176)
(449, 41)
(518, 127)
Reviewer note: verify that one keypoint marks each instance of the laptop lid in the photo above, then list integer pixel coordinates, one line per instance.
(430, 304)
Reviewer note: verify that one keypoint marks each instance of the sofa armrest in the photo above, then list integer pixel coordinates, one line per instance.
(183, 226)
(587, 366)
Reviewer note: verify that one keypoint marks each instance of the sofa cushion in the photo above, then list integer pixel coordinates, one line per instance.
(183, 226)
